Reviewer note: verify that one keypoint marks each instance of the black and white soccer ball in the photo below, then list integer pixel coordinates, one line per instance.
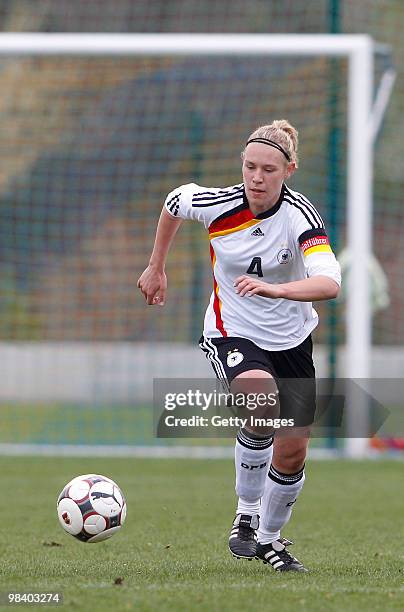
(91, 508)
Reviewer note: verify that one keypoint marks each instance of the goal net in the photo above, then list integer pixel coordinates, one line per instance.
(96, 131)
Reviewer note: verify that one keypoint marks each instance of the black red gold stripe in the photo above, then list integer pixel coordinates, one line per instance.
(233, 223)
(316, 244)
(217, 304)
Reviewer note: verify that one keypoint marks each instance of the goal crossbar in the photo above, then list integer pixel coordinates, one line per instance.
(180, 44)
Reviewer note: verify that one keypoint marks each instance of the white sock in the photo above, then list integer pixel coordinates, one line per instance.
(252, 459)
(281, 492)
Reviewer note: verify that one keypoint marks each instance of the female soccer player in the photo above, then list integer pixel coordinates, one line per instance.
(271, 258)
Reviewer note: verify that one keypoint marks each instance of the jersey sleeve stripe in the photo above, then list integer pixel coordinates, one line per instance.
(210, 195)
(309, 220)
(305, 207)
(204, 203)
(173, 204)
(310, 206)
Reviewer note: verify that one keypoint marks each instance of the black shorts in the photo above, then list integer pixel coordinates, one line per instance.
(293, 370)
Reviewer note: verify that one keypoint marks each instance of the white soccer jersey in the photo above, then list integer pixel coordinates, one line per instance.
(286, 243)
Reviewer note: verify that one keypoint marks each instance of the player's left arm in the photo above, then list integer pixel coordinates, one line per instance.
(323, 274)
(310, 289)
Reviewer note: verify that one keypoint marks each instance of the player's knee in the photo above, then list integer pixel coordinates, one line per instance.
(289, 460)
(260, 404)
(253, 380)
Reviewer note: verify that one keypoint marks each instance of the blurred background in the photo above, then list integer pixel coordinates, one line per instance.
(89, 148)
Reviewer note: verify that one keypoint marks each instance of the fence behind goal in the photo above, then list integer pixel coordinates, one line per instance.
(91, 146)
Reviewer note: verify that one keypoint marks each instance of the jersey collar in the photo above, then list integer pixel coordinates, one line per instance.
(271, 211)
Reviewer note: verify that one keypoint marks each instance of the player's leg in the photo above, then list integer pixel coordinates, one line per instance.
(240, 361)
(253, 453)
(284, 483)
(254, 444)
(286, 474)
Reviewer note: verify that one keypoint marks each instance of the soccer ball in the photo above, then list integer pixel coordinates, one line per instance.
(91, 508)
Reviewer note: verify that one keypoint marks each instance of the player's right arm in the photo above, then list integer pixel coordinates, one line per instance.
(179, 205)
(153, 282)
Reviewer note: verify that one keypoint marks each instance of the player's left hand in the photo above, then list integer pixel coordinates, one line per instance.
(247, 286)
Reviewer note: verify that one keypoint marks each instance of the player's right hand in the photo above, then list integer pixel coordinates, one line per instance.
(153, 285)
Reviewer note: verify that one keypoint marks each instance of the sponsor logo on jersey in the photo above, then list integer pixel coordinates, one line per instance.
(234, 357)
(284, 256)
(316, 244)
(257, 232)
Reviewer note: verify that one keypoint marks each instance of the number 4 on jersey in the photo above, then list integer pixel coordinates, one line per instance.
(255, 267)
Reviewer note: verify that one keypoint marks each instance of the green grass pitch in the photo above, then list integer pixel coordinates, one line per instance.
(172, 552)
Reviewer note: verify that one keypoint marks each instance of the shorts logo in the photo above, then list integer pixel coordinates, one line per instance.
(234, 357)
(284, 256)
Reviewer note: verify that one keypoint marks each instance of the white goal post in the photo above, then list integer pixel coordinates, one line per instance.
(359, 51)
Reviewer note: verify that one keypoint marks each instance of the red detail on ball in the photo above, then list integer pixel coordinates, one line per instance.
(66, 518)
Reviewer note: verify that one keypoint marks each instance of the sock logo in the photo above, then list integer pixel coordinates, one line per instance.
(290, 503)
(253, 467)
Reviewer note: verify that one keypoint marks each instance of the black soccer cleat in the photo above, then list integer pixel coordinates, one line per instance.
(276, 555)
(243, 536)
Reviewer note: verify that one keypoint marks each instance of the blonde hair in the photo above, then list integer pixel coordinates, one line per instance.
(283, 133)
